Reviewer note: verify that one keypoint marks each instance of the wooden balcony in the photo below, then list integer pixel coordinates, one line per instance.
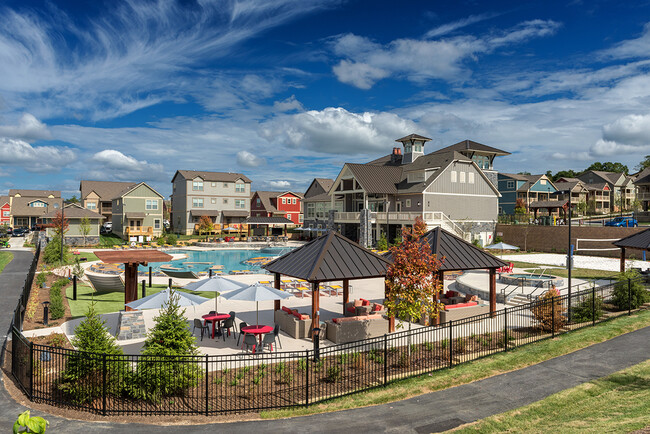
(136, 231)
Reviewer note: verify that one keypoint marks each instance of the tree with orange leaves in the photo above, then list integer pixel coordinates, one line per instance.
(412, 279)
(60, 223)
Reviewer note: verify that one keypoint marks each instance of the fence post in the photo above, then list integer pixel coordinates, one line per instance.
(505, 328)
(306, 378)
(104, 384)
(74, 287)
(385, 359)
(451, 343)
(150, 272)
(31, 371)
(593, 305)
(207, 386)
(552, 316)
(629, 296)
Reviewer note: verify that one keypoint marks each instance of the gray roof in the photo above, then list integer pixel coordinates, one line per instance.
(600, 186)
(20, 206)
(610, 177)
(106, 190)
(73, 210)
(376, 179)
(3, 200)
(571, 185)
(135, 215)
(211, 176)
(268, 220)
(643, 177)
(330, 257)
(234, 213)
(413, 137)
(35, 193)
(208, 212)
(323, 197)
(457, 254)
(469, 145)
(318, 186)
(549, 203)
(640, 240)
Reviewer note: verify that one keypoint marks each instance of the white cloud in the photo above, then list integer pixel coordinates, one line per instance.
(37, 159)
(453, 26)
(280, 184)
(365, 62)
(115, 164)
(630, 48)
(631, 130)
(289, 104)
(246, 159)
(29, 129)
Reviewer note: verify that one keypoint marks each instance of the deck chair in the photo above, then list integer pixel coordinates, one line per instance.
(180, 274)
(106, 283)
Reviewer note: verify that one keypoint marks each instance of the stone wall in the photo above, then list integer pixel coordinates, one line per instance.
(554, 239)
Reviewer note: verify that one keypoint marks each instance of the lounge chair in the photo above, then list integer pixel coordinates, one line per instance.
(180, 274)
(106, 283)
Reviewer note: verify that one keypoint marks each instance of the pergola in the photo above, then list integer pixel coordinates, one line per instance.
(549, 205)
(638, 241)
(131, 259)
(268, 221)
(328, 258)
(457, 254)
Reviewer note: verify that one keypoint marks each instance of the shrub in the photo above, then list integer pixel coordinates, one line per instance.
(382, 243)
(333, 374)
(583, 311)
(57, 309)
(81, 380)
(52, 252)
(548, 311)
(40, 279)
(171, 239)
(77, 269)
(170, 336)
(621, 294)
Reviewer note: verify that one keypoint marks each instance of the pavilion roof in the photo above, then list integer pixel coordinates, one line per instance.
(457, 254)
(132, 256)
(640, 240)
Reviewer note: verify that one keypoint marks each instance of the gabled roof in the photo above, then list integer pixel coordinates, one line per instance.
(265, 199)
(376, 179)
(4, 200)
(643, 177)
(457, 254)
(211, 176)
(106, 190)
(73, 210)
(268, 220)
(130, 188)
(318, 186)
(570, 185)
(323, 197)
(549, 203)
(601, 186)
(469, 145)
(413, 137)
(35, 193)
(640, 240)
(20, 206)
(330, 257)
(517, 176)
(610, 177)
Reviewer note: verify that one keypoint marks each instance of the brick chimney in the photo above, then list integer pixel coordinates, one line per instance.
(396, 156)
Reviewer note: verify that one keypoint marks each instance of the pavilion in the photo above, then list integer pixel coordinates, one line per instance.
(268, 221)
(638, 241)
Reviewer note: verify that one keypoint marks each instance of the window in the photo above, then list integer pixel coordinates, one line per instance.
(91, 205)
(418, 147)
(510, 184)
(197, 186)
(258, 202)
(454, 176)
(311, 210)
(461, 178)
(225, 201)
(408, 203)
(197, 202)
(225, 185)
(289, 216)
(542, 181)
(407, 149)
(470, 177)
(293, 201)
(284, 201)
(240, 203)
(214, 184)
(153, 204)
(300, 218)
(37, 205)
(5, 213)
(213, 200)
(240, 188)
(156, 224)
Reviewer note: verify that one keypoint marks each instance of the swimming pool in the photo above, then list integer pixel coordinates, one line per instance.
(530, 279)
(202, 261)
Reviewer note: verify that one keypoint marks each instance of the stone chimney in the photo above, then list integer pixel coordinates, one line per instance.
(395, 157)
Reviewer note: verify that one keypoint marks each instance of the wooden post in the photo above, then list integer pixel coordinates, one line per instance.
(622, 259)
(346, 293)
(391, 319)
(493, 291)
(315, 306)
(276, 285)
(130, 283)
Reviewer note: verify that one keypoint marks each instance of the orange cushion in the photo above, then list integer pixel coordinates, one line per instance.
(377, 307)
(453, 306)
(358, 303)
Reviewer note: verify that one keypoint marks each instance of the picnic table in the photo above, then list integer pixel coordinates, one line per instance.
(257, 330)
(215, 317)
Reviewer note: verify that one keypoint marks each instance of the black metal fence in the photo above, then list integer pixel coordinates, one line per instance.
(136, 384)
(19, 312)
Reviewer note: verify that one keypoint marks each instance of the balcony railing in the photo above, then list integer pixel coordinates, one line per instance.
(643, 196)
(135, 231)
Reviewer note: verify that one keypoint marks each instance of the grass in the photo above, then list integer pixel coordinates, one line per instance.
(5, 258)
(478, 369)
(617, 403)
(110, 240)
(108, 302)
(578, 273)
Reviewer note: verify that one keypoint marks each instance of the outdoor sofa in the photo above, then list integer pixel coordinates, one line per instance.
(293, 323)
(362, 306)
(355, 328)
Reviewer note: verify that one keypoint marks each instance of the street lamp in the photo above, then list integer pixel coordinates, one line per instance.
(569, 261)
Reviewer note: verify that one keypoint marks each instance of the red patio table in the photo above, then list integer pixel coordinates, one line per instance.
(215, 318)
(256, 330)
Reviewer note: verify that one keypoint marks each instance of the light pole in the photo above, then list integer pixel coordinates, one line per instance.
(62, 220)
(569, 262)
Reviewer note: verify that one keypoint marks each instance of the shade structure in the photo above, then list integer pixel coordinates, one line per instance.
(216, 284)
(162, 298)
(502, 246)
(257, 292)
(230, 228)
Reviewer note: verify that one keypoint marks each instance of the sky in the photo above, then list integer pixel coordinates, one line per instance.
(288, 90)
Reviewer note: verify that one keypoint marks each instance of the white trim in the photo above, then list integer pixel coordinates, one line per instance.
(461, 194)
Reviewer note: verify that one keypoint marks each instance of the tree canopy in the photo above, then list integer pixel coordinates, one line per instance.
(609, 167)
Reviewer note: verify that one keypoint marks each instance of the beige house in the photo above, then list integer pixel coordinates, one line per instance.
(98, 195)
(74, 214)
(224, 197)
(28, 206)
(138, 213)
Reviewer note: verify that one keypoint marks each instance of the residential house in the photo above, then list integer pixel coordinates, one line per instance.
(27, 206)
(619, 186)
(74, 214)
(528, 188)
(5, 211)
(445, 188)
(578, 189)
(642, 185)
(138, 213)
(98, 195)
(317, 203)
(277, 204)
(224, 197)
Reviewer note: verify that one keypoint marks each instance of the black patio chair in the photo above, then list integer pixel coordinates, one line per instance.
(276, 334)
(204, 327)
(241, 325)
(250, 341)
(267, 341)
(226, 325)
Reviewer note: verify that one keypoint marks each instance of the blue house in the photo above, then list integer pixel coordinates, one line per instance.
(529, 188)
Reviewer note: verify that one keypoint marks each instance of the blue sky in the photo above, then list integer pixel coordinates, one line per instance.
(287, 90)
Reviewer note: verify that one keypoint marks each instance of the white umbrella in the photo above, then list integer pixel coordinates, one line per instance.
(230, 228)
(162, 298)
(502, 246)
(257, 292)
(216, 284)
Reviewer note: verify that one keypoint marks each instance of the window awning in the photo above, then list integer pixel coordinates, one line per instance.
(135, 215)
(207, 212)
(234, 213)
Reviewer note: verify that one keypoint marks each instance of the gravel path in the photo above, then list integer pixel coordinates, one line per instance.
(593, 262)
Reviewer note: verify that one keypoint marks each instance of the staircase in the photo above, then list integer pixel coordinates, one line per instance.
(517, 300)
(437, 218)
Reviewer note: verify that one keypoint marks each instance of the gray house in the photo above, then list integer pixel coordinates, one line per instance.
(138, 213)
(224, 197)
(74, 214)
(445, 188)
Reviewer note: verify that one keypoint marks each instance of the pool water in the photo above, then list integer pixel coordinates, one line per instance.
(230, 259)
(531, 276)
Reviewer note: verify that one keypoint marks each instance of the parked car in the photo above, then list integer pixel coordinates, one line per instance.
(102, 230)
(18, 232)
(108, 226)
(623, 222)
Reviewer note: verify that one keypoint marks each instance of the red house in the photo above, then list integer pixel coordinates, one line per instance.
(277, 204)
(5, 210)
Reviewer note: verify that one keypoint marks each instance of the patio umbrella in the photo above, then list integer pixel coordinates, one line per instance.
(501, 246)
(257, 292)
(230, 228)
(216, 284)
(160, 299)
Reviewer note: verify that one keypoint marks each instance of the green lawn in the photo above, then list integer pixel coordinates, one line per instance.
(617, 403)
(478, 369)
(107, 302)
(5, 258)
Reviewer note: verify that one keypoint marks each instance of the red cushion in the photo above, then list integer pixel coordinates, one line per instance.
(286, 309)
(294, 311)
(296, 314)
(304, 317)
(365, 302)
(377, 307)
(452, 306)
(351, 309)
(336, 320)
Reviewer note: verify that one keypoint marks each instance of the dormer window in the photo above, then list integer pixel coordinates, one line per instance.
(197, 185)
(407, 148)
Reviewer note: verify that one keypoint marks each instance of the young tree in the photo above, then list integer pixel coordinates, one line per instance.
(85, 228)
(73, 199)
(60, 223)
(412, 279)
(205, 225)
(520, 206)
